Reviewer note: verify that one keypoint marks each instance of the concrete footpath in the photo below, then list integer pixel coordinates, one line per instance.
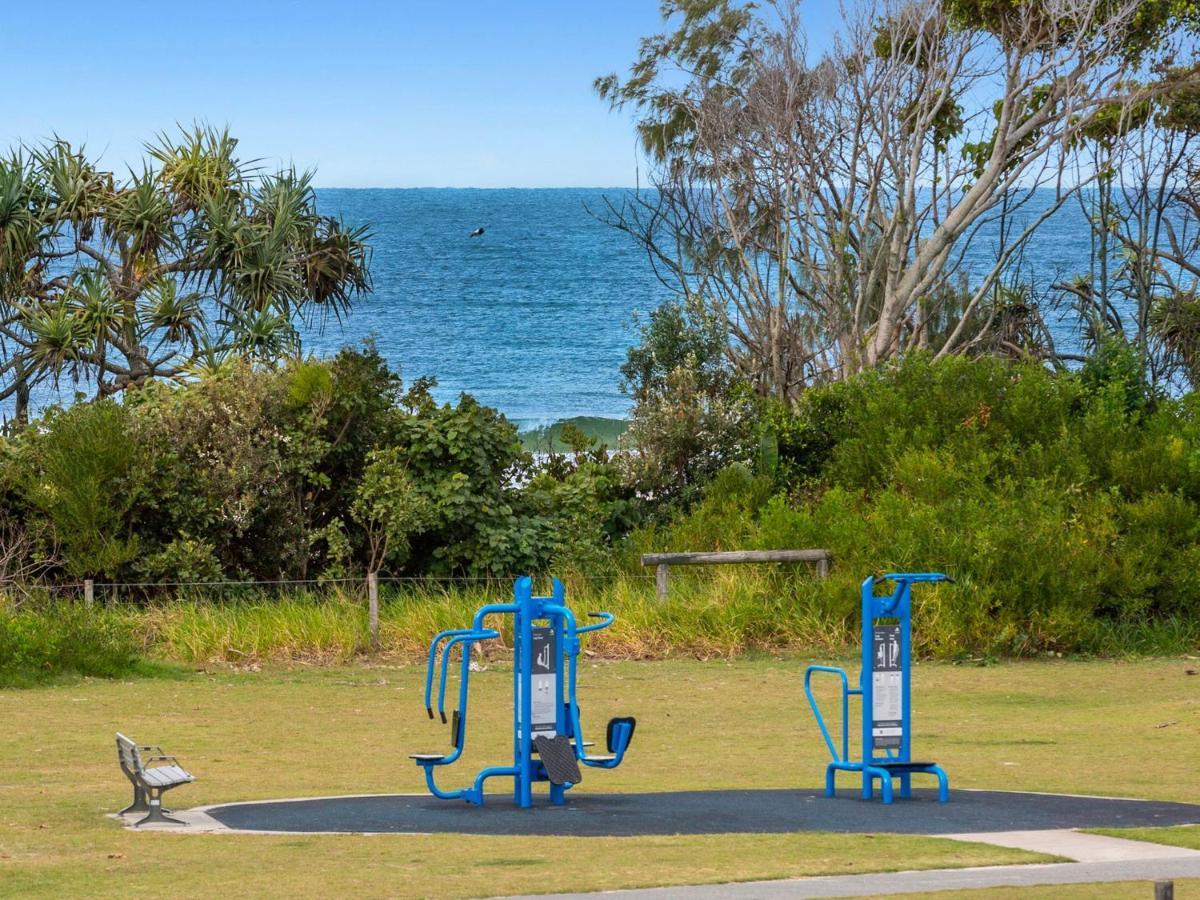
(1098, 859)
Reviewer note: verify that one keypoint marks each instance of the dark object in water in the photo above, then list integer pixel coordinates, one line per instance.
(478, 232)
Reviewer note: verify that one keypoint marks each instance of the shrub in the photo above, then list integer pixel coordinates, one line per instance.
(46, 641)
(85, 472)
(692, 416)
(1069, 515)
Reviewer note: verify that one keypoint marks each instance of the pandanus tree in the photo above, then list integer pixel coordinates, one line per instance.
(112, 281)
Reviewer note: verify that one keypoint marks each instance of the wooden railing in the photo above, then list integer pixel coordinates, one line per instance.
(663, 561)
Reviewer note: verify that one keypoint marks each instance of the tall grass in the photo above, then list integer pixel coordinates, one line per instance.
(712, 612)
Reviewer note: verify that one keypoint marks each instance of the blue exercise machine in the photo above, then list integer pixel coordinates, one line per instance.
(548, 742)
(886, 700)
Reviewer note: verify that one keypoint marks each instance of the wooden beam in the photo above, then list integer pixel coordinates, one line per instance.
(662, 561)
(735, 556)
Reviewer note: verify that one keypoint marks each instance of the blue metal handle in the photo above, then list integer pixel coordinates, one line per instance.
(431, 665)
(606, 616)
(467, 639)
(918, 576)
(847, 692)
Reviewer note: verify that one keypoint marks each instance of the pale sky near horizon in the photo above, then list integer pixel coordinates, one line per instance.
(369, 93)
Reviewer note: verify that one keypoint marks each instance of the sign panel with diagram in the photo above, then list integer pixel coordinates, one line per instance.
(887, 688)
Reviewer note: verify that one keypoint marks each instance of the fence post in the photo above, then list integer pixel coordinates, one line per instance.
(373, 608)
(1164, 890)
(661, 580)
(89, 592)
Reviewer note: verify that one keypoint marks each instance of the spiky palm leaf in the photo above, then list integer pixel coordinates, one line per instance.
(177, 313)
(263, 334)
(58, 338)
(142, 215)
(93, 302)
(198, 167)
(196, 250)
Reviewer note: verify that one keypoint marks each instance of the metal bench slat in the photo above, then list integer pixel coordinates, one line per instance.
(165, 775)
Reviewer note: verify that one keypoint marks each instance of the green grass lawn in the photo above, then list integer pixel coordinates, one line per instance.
(1182, 836)
(314, 731)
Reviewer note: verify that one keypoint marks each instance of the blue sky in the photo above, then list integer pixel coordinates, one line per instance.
(392, 94)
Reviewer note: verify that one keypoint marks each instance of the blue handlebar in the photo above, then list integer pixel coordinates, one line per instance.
(431, 664)
(847, 692)
(606, 616)
(467, 639)
(912, 577)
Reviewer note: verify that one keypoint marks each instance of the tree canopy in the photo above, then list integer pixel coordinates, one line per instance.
(112, 281)
(822, 203)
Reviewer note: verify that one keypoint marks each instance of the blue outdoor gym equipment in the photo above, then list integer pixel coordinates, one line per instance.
(548, 742)
(886, 701)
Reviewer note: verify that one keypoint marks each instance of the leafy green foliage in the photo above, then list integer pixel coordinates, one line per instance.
(1067, 506)
(308, 469)
(388, 507)
(692, 416)
(45, 641)
(86, 473)
(197, 256)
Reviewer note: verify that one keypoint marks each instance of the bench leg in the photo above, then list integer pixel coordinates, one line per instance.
(156, 812)
(139, 803)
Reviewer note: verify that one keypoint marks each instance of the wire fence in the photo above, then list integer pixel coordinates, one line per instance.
(144, 591)
(90, 589)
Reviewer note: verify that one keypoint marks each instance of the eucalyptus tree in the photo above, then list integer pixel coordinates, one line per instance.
(822, 202)
(111, 280)
(1143, 286)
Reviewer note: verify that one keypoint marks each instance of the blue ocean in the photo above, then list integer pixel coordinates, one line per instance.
(534, 316)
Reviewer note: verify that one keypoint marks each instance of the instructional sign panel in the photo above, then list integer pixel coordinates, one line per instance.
(544, 683)
(887, 688)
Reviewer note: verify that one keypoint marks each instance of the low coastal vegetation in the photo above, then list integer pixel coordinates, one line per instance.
(1064, 503)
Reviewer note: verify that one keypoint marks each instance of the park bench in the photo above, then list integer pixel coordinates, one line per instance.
(149, 784)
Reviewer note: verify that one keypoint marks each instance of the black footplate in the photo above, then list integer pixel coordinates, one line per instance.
(558, 756)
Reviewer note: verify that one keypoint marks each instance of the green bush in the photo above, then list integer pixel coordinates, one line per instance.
(46, 641)
(310, 469)
(1069, 514)
(85, 471)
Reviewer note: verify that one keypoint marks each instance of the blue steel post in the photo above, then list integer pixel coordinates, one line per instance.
(904, 611)
(895, 759)
(866, 682)
(524, 762)
(563, 632)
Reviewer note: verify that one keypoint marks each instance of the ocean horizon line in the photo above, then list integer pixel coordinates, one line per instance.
(450, 187)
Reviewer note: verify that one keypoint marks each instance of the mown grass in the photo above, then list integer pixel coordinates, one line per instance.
(1183, 836)
(306, 730)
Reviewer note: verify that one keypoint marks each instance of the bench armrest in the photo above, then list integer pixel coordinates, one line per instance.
(164, 758)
